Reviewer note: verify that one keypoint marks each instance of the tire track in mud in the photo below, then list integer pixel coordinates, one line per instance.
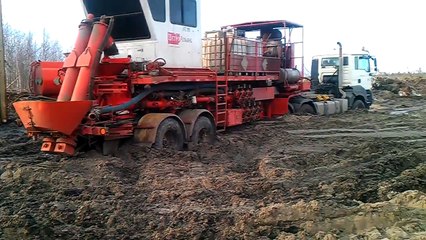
(359, 133)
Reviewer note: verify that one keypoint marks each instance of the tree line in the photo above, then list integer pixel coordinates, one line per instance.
(22, 49)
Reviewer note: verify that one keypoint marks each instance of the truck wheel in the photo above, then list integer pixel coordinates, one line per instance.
(358, 105)
(290, 108)
(203, 132)
(169, 135)
(306, 109)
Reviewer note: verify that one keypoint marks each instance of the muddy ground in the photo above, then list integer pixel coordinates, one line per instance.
(359, 175)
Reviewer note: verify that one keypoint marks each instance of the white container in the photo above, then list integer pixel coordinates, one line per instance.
(338, 106)
(330, 107)
(214, 54)
(251, 48)
(320, 108)
(343, 104)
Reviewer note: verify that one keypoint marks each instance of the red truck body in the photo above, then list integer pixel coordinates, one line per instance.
(96, 98)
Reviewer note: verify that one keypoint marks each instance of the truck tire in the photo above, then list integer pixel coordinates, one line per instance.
(170, 135)
(306, 109)
(358, 105)
(203, 132)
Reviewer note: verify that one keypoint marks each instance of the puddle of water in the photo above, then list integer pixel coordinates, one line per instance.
(405, 111)
(399, 112)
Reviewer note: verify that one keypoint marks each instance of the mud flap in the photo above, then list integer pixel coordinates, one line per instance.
(146, 130)
(189, 117)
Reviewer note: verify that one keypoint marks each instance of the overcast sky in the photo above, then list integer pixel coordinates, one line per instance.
(393, 30)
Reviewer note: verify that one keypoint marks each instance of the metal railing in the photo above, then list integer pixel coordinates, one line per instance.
(230, 55)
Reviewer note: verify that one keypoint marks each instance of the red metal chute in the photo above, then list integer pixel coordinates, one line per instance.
(62, 117)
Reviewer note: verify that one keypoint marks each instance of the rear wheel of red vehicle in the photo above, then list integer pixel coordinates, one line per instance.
(306, 109)
(203, 132)
(169, 135)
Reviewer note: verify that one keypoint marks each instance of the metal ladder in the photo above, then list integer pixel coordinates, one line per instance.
(221, 114)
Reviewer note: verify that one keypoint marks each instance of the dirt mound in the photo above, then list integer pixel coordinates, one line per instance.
(403, 85)
(400, 218)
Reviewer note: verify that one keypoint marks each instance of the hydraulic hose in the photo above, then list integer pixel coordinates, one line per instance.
(148, 91)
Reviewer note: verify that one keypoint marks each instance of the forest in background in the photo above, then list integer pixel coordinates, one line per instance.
(22, 49)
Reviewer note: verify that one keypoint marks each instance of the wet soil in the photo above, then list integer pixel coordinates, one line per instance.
(360, 175)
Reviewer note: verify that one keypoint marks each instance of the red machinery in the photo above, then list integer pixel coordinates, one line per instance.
(101, 99)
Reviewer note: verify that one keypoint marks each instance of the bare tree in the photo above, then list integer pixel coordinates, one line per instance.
(13, 41)
(49, 50)
(21, 50)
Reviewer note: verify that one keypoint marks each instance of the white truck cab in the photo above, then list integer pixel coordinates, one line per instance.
(150, 29)
(358, 69)
(355, 81)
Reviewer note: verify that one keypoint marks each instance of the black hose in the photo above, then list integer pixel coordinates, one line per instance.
(126, 105)
(150, 90)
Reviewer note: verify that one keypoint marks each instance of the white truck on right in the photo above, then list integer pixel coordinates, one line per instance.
(347, 76)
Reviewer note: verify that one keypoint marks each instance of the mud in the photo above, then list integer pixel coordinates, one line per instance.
(361, 175)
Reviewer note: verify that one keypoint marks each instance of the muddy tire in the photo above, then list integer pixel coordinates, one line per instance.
(306, 109)
(203, 132)
(358, 105)
(290, 108)
(170, 135)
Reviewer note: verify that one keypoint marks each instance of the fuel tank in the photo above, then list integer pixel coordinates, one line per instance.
(289, 75)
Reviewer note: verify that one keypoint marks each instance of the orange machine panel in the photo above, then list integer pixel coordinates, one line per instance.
(265, 93)
(235, 117)
(279, 106)
(45, 78)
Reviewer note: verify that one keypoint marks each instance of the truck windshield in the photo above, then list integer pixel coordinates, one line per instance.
(130, 23)
(331, 61)
(362, 63)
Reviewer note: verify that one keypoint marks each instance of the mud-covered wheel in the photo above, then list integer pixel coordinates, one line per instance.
(203, 132)
(306, 109)
(169, 135)
(291, 108)
(110, 147)
(359, 105)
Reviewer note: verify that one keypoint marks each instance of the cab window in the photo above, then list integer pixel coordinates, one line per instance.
(333, 62)
(158, 10)
(362, 63)
(183, 12)
(329, 62)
